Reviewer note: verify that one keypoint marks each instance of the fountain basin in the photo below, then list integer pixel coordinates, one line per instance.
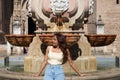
(19, 40)
(70, 38)
(97, 40)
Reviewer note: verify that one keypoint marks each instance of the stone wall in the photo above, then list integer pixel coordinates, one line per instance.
(91, 25)
(110, 12)
(8, 9)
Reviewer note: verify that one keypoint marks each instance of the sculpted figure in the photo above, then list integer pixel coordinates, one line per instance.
(45, 11)
(59, 6)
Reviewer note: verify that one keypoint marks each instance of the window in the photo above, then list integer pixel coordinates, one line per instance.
(117, 1)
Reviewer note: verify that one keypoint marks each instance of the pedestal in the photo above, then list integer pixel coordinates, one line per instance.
(32, 64)
(83, 63)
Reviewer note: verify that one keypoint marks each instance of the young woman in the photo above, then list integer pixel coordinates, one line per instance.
(55, 56)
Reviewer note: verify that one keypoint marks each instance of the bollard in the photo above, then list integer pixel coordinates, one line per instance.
(117, 61)
(6, 61)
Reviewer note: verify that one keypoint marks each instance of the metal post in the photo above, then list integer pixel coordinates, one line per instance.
(117, 61)
(6, 61)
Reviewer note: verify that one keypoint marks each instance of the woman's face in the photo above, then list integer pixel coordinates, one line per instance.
(55, 41)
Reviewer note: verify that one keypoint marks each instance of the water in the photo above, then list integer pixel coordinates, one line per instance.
(1, 62)
(16, 63)
(106, 62)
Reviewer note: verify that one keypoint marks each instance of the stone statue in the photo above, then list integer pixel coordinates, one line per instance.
(59, 6)
(70, 10)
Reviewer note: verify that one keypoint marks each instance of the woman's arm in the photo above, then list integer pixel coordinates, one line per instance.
(72, 64)
(43, 63)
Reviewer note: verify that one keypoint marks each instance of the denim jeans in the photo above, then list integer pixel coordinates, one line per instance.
(54, 72)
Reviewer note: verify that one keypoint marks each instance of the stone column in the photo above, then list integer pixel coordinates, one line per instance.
(1, 23)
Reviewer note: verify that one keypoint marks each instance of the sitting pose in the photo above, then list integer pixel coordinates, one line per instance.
(55, 56)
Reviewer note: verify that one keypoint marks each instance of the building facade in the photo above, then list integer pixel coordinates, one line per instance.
(6, 10)
(108, 9)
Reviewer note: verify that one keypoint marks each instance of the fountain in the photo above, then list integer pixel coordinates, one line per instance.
(97, 40)
(20, 40)
(60, 18)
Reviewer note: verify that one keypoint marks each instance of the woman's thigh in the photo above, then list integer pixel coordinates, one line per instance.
(47, 77)
(54, 72)
(60, 77)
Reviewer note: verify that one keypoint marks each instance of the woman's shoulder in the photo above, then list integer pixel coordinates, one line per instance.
(49, 47)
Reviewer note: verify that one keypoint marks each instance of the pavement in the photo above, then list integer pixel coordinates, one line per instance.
(113, 74)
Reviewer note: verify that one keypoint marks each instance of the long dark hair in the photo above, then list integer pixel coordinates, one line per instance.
(62, 45)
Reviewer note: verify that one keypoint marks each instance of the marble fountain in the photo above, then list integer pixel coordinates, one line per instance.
(60, 18)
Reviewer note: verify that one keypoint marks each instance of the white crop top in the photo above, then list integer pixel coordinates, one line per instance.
(55, 58)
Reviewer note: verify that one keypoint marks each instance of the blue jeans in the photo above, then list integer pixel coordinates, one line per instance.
(54, 72)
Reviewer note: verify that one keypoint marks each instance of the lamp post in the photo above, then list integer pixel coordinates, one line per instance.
(100, 30)
(100, 26)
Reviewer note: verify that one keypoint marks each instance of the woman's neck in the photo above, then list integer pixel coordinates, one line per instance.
(56, 47)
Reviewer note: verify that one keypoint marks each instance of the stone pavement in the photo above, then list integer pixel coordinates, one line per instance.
(113, 74)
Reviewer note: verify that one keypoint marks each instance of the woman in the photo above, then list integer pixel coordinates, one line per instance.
(55, 56)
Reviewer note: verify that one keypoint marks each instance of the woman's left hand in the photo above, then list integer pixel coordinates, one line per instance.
(35, 75)
(84, 75)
